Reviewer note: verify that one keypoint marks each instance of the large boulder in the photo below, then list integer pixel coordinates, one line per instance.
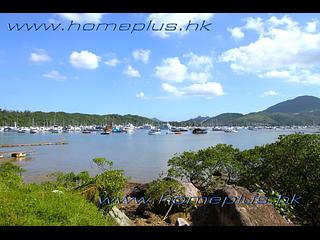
(160, 206)
(190, 190)
(120, 217)
(239, 214)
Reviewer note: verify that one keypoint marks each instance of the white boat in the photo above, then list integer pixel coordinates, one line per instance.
(33, 130)
(129, 128)
(1, 129)
(154, 131)
(166, 126)
(230, 130)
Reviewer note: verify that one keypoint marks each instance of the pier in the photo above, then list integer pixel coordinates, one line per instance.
(32, 144)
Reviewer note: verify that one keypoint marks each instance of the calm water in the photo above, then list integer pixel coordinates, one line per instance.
(141, 156)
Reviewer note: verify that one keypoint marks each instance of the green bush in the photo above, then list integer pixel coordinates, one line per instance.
(289, 166)
(163, 191)
(208, 168)
(109, 183)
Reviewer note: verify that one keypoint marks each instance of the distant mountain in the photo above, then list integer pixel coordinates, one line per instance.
(300, 104)
(198, 121)
(303, 110)
(39, 118)
(156, 120)
(222, 119)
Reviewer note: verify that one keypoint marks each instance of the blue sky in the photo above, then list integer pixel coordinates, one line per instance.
(245, 63)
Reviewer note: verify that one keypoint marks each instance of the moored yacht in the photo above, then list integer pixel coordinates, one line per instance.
(154, 131)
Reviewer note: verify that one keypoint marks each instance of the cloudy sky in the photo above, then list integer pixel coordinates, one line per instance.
(245, 63)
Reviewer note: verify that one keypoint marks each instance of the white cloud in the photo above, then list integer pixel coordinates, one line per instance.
(208, 89)
(269, 93)
(171, 89)
(84, 59)
(142, 55)
(199, 62)
(40, 55)
(312, 26)
(132, 72)
(112, 62)
(171, 70)
(236, 32)
(140, 95)
(296, 76)
(284, 50)
(55, 75)
(275, 74)
(255, 24)
(204, 89)
(181, 19)
(196, 69)
(285, 21)
(82, 17)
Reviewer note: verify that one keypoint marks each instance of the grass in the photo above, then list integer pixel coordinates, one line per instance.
(37, 205)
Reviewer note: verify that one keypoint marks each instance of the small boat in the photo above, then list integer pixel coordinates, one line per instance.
(217, 129)
(86, 131)
(33, 131)
(22, 131)
(155, 131)
(199, 131)
(230, 130)
(105, 133)
(178, 133)
(18, 154)
(183, 129)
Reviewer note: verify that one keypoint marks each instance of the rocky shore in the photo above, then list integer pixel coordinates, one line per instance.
(134, 214)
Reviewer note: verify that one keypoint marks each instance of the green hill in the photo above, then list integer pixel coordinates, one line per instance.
(27, 118)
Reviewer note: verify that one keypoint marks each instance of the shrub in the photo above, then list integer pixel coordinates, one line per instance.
(289, 166)
(208, 168)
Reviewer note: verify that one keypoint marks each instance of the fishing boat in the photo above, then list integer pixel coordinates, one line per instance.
(154, 131)
(199, 131)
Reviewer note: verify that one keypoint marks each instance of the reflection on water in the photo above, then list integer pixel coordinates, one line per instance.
(141, 156)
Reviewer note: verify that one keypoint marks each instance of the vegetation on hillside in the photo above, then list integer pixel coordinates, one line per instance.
(27, 118)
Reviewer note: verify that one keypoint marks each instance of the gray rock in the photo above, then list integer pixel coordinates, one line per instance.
(181, 222)
(237, 214)
(191, 190)
(120, 217)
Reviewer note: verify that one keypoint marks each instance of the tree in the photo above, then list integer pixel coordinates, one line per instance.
(207, 168)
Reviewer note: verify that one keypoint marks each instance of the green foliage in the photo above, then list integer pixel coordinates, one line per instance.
(208, 168)
(42, 205)
(290, 166)
(109, 183)
(166, 189)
